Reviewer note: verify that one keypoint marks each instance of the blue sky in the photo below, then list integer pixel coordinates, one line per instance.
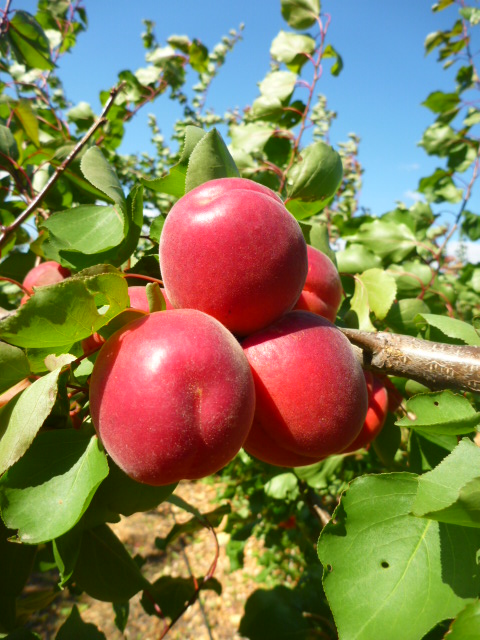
(378, 94)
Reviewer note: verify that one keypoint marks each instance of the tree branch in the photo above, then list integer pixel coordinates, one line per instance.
(434, 364)
(5, 232)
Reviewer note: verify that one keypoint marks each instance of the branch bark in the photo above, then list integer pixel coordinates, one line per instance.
(434, 364)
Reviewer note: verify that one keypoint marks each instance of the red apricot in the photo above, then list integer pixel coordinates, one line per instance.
(231, 249)
(172, 396)
(322, 291)
(45, 273)
(311, 396)
(376, 413)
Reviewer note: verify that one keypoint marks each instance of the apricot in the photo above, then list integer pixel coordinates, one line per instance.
(322, 292)
(172, 396)
(376, 413)
(45, 273)
(311, 395)
(231, 249)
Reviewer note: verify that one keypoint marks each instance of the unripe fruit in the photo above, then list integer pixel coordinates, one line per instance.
(311, 396)
(45, 273)
(172, 396)
(231, 249)
(376, 413)
(322, 291)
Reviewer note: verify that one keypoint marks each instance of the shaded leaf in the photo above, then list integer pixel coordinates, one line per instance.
(14, 366)
(74, 628)
(105, 569)
(453, 328)
(46, 492)
(22, 417)
(29, 42)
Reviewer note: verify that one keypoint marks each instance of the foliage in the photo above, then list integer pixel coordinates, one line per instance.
(398, 522)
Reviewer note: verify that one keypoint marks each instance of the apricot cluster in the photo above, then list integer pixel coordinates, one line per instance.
(246, 355)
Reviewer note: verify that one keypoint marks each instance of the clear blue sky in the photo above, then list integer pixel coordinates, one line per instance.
(378, 94)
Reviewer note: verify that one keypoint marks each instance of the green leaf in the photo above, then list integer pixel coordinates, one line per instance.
(66, 312)
(451, 492)
(157, 226)
(301, 210)
(101, 174)
(402, 317)
(119, 494)
(283, 487)
(337, 66)
(439, 187)
(472, 14)
(321, 474)
(300, 14)
(356, 258)
(65, 551)
(471, 225)
(105, 569)
(442, 412)
(462, 156)
(440, 102)
(251, 137)
(316, 234)
(198, 53)
(360, 307)
(28, 121)
(278, 84)
(386, 239)
(317, 175)
(14, 366)
(381, 289)
(209, 160)
(89, 229)
(47, 491)
(453, 328)
(386, 571)
(438, 139)
(466, 625)
(8, 149)
(29, 43)
(290, 48)
(23, 416)
(174, 182)
(74, 628)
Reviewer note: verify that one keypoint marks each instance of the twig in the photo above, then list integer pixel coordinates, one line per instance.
(196, 595)
(434, 364)
(6, 231)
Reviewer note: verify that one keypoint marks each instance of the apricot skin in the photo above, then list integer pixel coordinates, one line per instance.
(172, 396)
(45, 273)
(311, 396)
(376, 413)
(322, 292)
(231, 249)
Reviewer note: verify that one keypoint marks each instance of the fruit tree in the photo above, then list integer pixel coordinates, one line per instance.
(223, 312)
